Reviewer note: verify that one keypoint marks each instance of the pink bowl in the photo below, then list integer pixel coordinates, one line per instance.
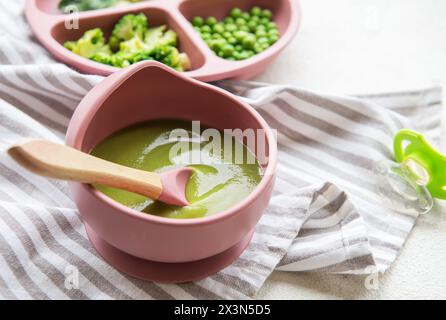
(146, 91)
(48, 25)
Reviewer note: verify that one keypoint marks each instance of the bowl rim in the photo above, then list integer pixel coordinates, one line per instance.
(75, 140)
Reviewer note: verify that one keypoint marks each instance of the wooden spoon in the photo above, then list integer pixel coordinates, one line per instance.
(58, 161)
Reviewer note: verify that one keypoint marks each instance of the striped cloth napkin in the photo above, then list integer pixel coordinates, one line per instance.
(324, 214)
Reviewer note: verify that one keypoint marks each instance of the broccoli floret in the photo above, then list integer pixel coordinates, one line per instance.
(167, 55)
(130, 43)
(91, 43)
(169, 38)
(173, 58)
(154, 34)
(135, 44)
(178, 61)
(159, 36)
(159, 45)
(70, 45)
(185, 63)
(122, 59)
(128, 26)
(143, 56)
(154, 38)
(102, 57)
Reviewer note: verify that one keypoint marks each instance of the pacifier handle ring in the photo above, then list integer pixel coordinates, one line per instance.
(400, 137)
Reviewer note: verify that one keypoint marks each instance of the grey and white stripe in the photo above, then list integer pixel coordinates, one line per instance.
(324, 215)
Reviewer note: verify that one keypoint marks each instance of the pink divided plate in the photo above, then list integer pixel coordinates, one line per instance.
(49, 26)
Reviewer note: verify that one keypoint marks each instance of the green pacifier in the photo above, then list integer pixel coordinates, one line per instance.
(419, 174)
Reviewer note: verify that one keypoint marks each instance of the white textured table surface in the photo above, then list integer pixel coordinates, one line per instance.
(350, 46)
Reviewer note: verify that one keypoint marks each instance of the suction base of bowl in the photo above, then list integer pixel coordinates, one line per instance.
(165, 272)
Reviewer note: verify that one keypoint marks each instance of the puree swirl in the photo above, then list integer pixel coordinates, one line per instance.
(218, 183)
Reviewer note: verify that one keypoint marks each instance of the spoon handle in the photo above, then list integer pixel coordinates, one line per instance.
(58, 161)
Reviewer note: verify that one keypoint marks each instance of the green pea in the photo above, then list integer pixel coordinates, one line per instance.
(249, 41)
(205, 29)
(273, 32)
(255, 18)
(236, 13)
(246, 16)
(240, 21)
(258, 48)
(221, 54)
(197, 21)
(228, 50)
(229, 20)
(252, 25)
(262, 40)
(210, 21)
(244, 28)
(197, 29)
(273, 39)
(206, 36)
(240, 35)
(231, 27)
(236, 55)
(260, 27)
(244, 55)
(227, 35)
(232, 40)
(218, 27)
(261, 33)
(267, 13)
(217, 36)
(265, 46)
(271, 25)
(264, 21)
(256, 11)
(230, 58)
(217, 44)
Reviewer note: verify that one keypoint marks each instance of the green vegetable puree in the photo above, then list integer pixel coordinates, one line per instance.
(214, 186)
